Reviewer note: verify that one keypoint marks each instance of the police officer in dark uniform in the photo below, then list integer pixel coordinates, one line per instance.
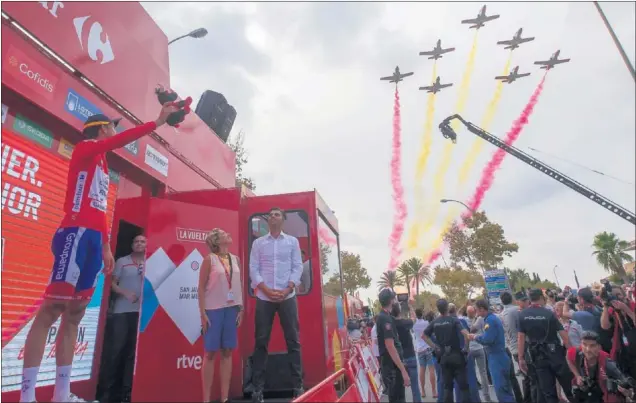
(394, 373)
(531, 392)
(539, 345)
(448, 331)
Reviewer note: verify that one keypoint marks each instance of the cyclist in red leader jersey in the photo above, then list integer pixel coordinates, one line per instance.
(79, 246)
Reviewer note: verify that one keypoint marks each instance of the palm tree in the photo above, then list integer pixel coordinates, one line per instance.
(609, 252)
(414, 271)
(517, 278)
(389, 279)
(407, 272)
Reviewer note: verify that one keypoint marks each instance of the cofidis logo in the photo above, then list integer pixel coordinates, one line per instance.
(30, 73)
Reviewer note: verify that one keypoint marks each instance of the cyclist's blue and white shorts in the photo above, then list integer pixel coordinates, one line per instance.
(77, 253)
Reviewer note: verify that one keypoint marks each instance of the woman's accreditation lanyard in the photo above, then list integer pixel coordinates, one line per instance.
(229, 273)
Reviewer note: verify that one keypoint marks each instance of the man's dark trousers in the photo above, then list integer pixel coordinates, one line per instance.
(393, 380)
(453, 365)
(124, 343)
(288, 315)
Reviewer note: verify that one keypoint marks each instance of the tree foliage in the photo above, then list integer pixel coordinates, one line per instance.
(457, 285)
(236, 145)
(610, 253)
(519, 279)
(426, 300)
(413, 271)
(390, 279)
(481, 245)
(616, 279)
(325, 250)
(354, 275)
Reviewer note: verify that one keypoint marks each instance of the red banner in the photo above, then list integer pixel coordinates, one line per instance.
(40, 80)
(117, 46)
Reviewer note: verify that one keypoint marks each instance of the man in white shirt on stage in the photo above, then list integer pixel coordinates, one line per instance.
(275, 271)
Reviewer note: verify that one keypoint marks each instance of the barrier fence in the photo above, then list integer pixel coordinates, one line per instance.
(361, 376)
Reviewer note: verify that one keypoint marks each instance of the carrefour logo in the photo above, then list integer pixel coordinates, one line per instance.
(79, 106)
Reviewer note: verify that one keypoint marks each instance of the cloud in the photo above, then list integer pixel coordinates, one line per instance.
(304, 78)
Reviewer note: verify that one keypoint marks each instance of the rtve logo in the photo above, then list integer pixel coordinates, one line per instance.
(93, 43)
(189, 362)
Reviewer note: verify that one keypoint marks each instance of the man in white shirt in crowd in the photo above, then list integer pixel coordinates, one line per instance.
(275, 271)
(424, 352)
(374, 339)
(476, 350)
(127, 286)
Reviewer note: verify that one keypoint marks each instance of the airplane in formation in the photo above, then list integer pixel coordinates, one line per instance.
(550, 63)
(515, 41)
(436, 87)
(397, 76)
(513, 76)
(437, 51)
(481, 19)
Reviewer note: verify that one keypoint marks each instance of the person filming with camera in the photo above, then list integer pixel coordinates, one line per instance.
(617, 319)
(597, 378)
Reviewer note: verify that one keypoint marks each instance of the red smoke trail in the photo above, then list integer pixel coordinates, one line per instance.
(325, 236)
(488, 173)
(399, 214)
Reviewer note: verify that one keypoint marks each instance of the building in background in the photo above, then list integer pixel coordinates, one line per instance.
(217, 113)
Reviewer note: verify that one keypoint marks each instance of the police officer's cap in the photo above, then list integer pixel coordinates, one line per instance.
(535, 294)
(98, 120)
(386, 296)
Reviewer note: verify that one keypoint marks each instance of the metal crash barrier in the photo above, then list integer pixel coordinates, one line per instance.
(361, 376)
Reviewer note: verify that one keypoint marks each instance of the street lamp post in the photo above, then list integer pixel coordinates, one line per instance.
(197, 33)
(457, 201)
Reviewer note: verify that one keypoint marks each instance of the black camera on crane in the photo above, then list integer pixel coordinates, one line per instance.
(447, 131)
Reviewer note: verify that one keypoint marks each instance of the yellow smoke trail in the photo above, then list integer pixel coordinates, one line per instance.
(473, 153)
(486, 121)
(420, 167)
(438, 184)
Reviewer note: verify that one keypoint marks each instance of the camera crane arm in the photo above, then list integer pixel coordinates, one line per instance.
(449, 133)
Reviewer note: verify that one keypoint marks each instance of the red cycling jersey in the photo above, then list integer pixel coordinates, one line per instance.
(87, 185)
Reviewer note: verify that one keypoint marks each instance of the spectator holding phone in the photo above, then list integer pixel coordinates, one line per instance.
(221, 308)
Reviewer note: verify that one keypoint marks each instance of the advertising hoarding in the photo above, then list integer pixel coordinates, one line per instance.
(33, 188)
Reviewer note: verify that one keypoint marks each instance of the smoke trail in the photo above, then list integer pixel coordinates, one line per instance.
(399, 214)
(486, 121)
(440, 175)
(488, 173)
(420, 167)
(326, 237)
(477, 145)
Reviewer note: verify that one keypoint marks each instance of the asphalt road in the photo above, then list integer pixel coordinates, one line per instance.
(429, 394)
